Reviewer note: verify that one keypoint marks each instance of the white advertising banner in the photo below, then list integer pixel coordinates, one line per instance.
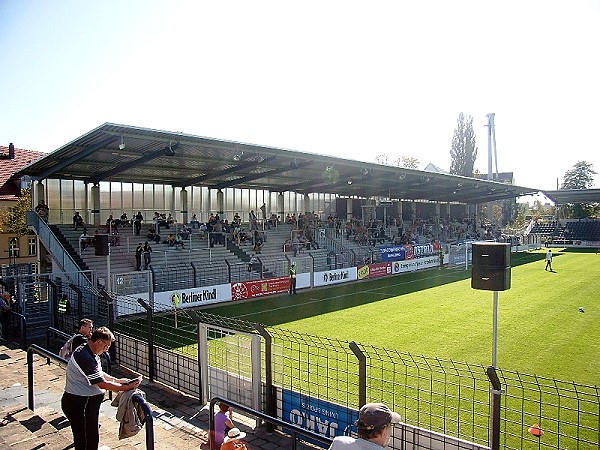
(329, 277)
(194, 297)
(411, 265)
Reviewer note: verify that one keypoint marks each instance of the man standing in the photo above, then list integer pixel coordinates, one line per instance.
(147, 255)
(374, 426)
(549, 260)
(42, 210)
(293, 278)
(137, 222)
(80, 338)
(85, 386)
(138, 257)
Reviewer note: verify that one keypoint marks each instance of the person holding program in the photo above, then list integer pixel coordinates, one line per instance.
(85, 386)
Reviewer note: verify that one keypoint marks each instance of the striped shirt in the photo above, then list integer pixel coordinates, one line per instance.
(84, 372)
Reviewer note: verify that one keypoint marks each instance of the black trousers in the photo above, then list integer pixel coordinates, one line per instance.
(83, 413)
(292, 285)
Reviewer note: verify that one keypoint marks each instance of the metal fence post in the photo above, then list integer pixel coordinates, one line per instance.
(362, 373)
(495, 394)
(270, 407)
(150, 338)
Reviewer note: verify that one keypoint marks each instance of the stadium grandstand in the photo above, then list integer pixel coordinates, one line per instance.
(225, 222)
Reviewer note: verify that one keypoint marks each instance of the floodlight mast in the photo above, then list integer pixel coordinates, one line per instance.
(491, 143)
(491, 126)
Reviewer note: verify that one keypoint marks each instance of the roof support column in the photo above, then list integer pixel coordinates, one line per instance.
(95, 191)
(39, 192)
(183, 199)
(399, 222)
(280, 207)
(306, 203)
(437, 220)
(413, 212)
(348, 209)
(220, 202)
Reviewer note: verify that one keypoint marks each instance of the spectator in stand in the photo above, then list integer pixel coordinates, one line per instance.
(253, 220)
(178, 241)
(258, 243)
(153, 235)
(137, 223)
(170, 221)
(170, 240)
(110, 223)
(147, 255)
(194, 223)
(77, 220)
(124, 220)
(185, 233)
(42, 210)
(237, 219)
(139, 251)
(84, 240)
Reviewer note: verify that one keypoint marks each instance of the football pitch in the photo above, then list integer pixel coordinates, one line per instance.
(437, 314)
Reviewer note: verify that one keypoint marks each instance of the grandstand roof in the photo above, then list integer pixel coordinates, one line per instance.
(563, 196)
(124, 153)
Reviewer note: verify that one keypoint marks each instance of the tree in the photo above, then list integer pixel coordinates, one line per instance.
(464, 148)
(382, 158)
(581, 176)
(408, 162)
(13, 220)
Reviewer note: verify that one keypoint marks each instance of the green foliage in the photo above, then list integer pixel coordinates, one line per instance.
(581, 176)
(464, 148)
(14, 220)
(408, 162)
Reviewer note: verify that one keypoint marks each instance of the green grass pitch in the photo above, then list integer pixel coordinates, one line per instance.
(436, 313)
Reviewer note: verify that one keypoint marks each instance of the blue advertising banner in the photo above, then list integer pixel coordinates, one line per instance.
(319, 416)
(392, 253)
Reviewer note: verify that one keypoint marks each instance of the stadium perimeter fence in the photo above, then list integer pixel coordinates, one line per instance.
(319, 383)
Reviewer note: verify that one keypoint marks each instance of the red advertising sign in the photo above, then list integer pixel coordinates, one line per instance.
(374, 270)
(259, 288)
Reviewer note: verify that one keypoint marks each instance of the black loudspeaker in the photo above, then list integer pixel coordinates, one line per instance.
(101, 244)
(491, 266)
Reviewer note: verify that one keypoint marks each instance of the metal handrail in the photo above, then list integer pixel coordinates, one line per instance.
(291, 429)
(33, 348)
(137, 398)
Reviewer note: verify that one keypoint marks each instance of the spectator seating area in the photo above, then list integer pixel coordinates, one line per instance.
(573, 230)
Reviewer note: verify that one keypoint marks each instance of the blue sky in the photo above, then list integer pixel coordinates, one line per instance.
(342, 78)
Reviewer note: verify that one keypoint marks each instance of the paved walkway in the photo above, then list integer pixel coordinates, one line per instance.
(179, 420)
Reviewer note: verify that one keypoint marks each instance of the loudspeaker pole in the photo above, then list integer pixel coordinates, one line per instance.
(495, 331)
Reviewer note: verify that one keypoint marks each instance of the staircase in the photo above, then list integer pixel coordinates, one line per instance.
(68, 246)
